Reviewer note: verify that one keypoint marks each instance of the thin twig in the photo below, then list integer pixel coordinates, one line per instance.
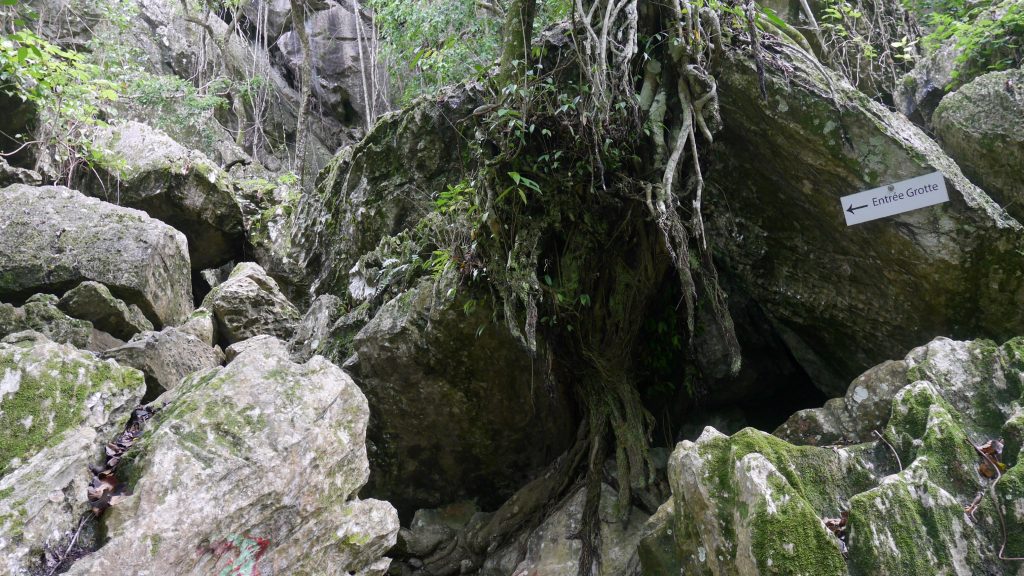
(882, 438)
(71, 544)
(995, 500)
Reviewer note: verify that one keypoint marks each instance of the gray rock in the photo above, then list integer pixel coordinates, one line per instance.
(14, 175)
(143, 168)
(755, 504)
(261, 341)
(52, 238)
(93, 301)
(551, 549)
(166, 357)
(258, 461)
(315, 328)
(201, 325)
(981, 126)
(829, 290)
(342, 62)
(460, 413)
(40, 313)
(250, 303)
(58, 407)
(920, 91)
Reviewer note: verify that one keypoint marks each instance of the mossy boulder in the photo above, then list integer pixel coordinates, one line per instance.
(913, 493)
(251, 468)
(53, 238)
(93, 301)
(40, 313)
(831, 291)
(58, 407)
(141, 167)
(981, 126)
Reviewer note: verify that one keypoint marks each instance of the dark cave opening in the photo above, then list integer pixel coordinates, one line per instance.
(768, 389)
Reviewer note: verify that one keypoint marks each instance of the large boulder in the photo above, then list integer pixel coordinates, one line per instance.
(93, 301)
(981, 126)
(915, 496)
(250, 303)
(253, 467)
(143, 168)
(52, 238)
(460, 409)
(58, 407)
(166, 357)
(832, 291)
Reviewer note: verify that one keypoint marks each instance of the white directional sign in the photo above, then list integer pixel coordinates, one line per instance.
(905, 196)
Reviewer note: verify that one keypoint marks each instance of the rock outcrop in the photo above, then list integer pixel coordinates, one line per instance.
(931, 486)
(250, 303)
(981, 126)
(141, 167)
(253, 467)
(58, 407)
(53, 238)
(831, 291)
(459, 411)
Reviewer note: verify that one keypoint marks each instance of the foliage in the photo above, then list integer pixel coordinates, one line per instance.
(70, 93)
(428, 44)
(988, 37)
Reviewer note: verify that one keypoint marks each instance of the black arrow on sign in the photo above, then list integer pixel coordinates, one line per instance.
(851, 208)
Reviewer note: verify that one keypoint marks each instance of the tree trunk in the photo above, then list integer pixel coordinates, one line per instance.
(518, 35)
(299, 24)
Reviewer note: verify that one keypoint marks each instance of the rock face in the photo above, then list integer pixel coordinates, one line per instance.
(93, 301)
(314, 329)
(143, 168)
(378, 187)
(58, 407)
(921, 90)
(252, 468)
(981, 126)
(755, 504)
(167, 356)
(249, 304)
(457, 414)
(341, 37)
(832, 291)
(52, 238)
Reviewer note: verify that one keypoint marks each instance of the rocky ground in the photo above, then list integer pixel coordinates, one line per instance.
(205, 369)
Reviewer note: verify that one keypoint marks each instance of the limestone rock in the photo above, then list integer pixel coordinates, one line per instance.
(981, 126)
(250, 303)
(832, 291)
(459, 413)
(58, 407)
(340, 37)
(754, 504)
(52, 238)
(256, 464)
(166, 357)
(40, 313)
(550, 551)
(143, 168)
(920, 91)
(314, 329)
(378, 187)
(201, 325)
(93, 301)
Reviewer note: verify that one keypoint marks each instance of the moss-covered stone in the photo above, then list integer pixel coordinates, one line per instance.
(46, 391)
